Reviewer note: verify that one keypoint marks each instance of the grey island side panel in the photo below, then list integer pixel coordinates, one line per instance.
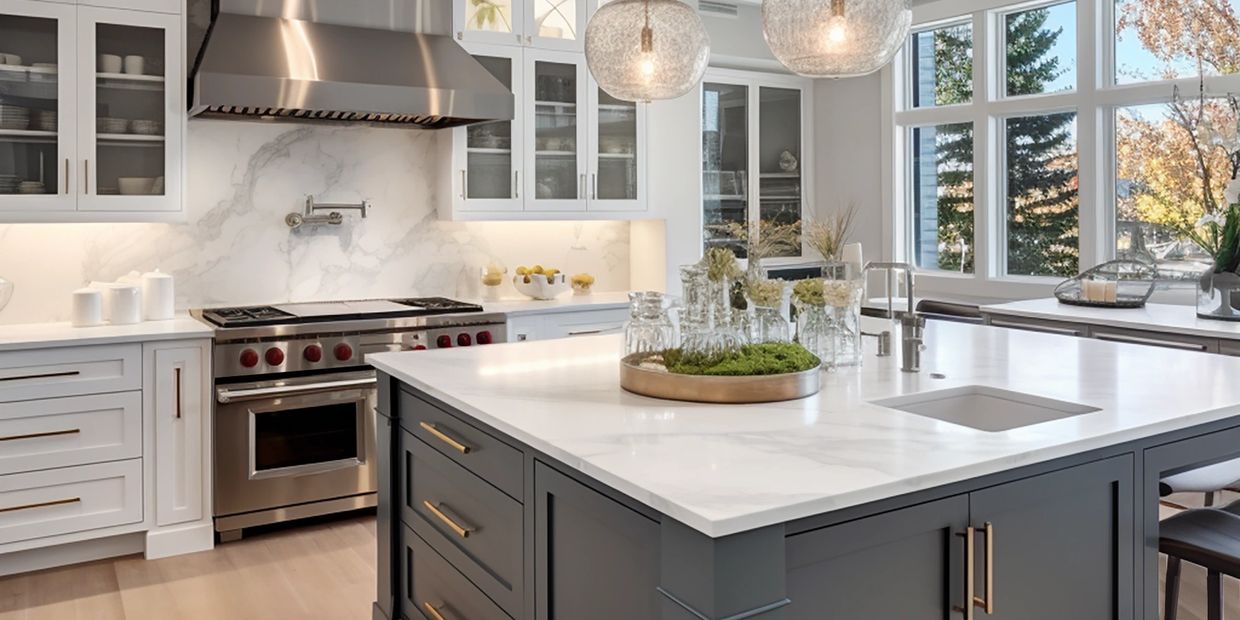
(1069, 539)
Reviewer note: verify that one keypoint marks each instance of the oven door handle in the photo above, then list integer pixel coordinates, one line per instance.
(226, 395)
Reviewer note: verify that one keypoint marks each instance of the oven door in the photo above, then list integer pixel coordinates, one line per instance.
(295, 441)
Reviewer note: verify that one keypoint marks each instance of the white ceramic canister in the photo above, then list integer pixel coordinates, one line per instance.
(158, 297)
(87, 307)
(124, 304)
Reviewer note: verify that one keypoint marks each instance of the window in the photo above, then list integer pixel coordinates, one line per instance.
(1064, 148)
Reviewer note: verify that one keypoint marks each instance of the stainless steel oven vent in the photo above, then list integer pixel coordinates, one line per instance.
(275, 114)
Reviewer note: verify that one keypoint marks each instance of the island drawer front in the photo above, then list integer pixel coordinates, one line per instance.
(428, 581)
(62, 432)
(1062, 328)
(471, 523)
(69, 371)
(1229, 347)
(491, 459)
(70, 499)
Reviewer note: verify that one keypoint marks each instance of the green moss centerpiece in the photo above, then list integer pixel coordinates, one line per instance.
(753, 373)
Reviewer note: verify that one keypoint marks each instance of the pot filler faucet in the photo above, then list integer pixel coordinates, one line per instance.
(912, 325)
(314, 217)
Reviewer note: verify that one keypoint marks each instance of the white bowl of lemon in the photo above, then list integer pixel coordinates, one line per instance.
(539, 283)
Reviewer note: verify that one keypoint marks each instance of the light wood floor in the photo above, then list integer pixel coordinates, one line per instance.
(319, 571)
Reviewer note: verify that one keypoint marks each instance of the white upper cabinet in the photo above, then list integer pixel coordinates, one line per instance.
(91, 113)
(487, 158)
(549, 24)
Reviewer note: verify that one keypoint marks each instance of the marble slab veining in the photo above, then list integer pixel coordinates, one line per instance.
(727, 469)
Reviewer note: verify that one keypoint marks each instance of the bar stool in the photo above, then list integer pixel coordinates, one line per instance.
(1209, 480)
(1209, 538)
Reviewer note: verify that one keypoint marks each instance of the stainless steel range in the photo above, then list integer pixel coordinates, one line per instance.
(295, 400)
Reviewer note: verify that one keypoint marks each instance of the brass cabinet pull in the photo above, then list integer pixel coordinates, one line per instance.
(988, 604)
(456, 445)
(85, 176)
(177, 380)
(72, 431)
(969, 597)
(594, 186)
(66, 175)
(45, 375)
(516, 183)
(430, 609)
(464, 184)
(58, 502)
(460, 530)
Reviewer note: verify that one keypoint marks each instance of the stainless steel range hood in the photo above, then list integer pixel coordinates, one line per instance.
(388, 62)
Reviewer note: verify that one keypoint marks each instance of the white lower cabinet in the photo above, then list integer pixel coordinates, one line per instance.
(68, 500)
(80, 471)
(177, 399)
(561, 324)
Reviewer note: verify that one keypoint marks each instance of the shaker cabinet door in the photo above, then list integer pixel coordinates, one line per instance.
(1063, 544)
(594, 557)
(177, 397)
(906, 564)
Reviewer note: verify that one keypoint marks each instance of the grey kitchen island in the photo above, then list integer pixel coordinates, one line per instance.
(520, 482)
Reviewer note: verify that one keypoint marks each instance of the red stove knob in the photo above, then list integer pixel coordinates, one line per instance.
(313, 353)
(444, 342)
(464, 340)
(343, 352)
(249, 358)
(419, 347)
(484, 338)
(274, 357)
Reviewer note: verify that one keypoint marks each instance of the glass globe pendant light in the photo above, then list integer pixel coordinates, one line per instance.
(644, 50)
(835, 38)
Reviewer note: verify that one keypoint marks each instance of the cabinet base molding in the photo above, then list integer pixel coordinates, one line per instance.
(72, 553)
(180, 539)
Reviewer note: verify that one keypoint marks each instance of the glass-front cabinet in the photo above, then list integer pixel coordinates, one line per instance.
(89, 127)
(130, 80)
(617, 153)
(755, 128)
(38, 143)
(487, 157)
(550, 24)
(555, 150)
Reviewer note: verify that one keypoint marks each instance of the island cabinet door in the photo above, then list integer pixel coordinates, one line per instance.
(1062, 544)
(594, 558)
(906, 564)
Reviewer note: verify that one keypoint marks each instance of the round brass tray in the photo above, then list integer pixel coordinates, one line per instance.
(718, 389)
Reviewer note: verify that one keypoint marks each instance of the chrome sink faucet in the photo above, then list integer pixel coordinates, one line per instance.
(912, 325)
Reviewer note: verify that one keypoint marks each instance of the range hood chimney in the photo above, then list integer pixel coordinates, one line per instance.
(383, 62)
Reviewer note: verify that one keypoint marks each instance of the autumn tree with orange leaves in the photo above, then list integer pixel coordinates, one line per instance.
(1173, 163)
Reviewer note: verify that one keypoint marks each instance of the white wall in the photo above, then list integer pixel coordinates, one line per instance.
(738, 42)
(235, 248)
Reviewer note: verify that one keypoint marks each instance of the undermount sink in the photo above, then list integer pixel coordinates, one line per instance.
(985, 408)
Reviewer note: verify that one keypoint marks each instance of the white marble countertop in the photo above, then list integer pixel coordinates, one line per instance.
(727, 469)
(1153, 317)
(568, 302)
(46, 335)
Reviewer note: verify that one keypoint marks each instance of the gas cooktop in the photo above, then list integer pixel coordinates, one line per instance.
(321, 312)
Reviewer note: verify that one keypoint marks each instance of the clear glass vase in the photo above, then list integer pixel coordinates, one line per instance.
(769, 325)
(843, 308)
(720, 327)
(649, 329)
(1218, 296)
(814, 330)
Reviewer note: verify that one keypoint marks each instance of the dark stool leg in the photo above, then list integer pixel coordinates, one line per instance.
(1171, 606)
(1214, 589)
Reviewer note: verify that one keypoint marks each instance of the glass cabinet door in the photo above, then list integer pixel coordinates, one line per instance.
(725, 165)
(556, 174)
(488, 155)
(780, 195)
(37, 138)
(488, 21)
(130, 128)
(617, 153)
(556, 23)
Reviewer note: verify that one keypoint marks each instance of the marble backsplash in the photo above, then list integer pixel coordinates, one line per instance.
(243, 178)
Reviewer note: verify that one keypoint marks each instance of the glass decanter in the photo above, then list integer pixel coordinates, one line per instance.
(649, 329)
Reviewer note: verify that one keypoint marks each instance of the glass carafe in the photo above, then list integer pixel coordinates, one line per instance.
(649, 329)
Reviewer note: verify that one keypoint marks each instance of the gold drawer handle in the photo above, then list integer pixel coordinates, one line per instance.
(430, 609)
(72, 431)
(460, 530)
(456, 445)
(59, 502)
(46, 375)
